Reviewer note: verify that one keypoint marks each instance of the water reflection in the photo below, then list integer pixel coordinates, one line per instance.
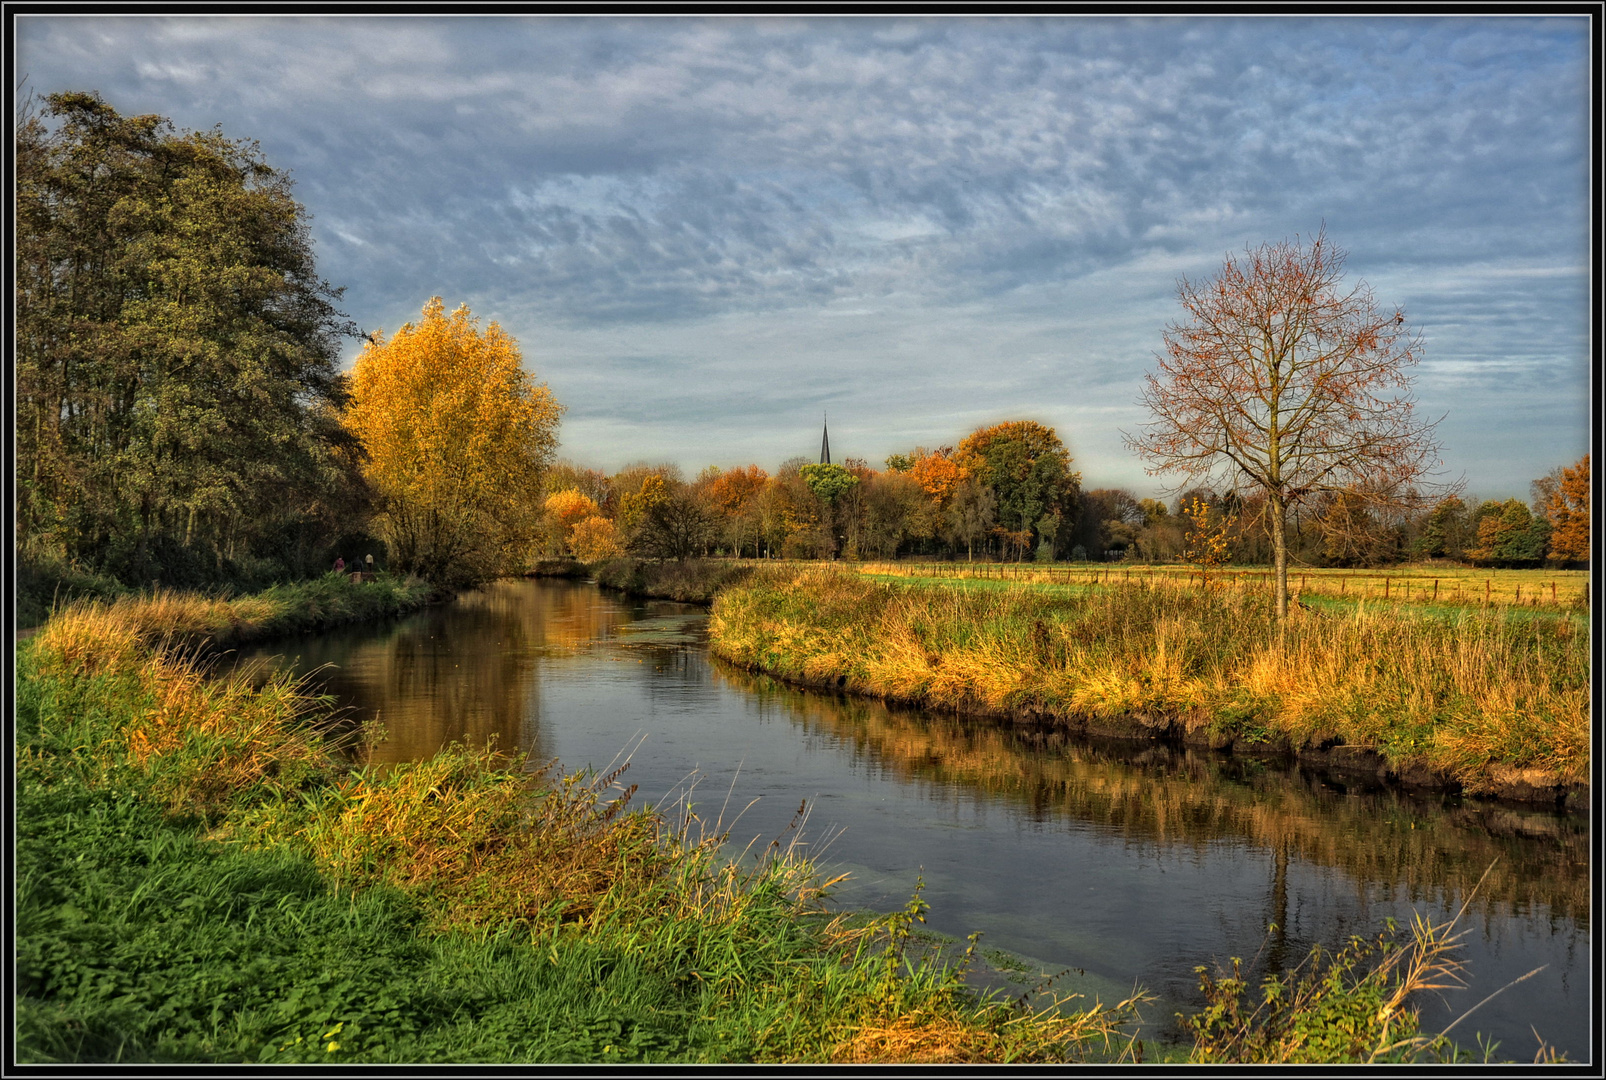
(1429, 850)
(467, 672)
(1124, 862)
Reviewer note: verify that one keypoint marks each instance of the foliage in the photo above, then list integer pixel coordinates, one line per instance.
(1028, 469)
(828, 482)
(676, 525)
(176, 356)
(635, 503)
(970, 514)
(1566, 508)
(1508, 535)
(457, 435)
(594, 539)
(1207, 535)
(1445, 532)
(1281, 382)
(565, 509)
(1349, 1006)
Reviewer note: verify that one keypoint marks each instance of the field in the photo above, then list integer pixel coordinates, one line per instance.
(1423, 585)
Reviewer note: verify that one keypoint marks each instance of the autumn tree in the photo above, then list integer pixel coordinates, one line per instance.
(1562, 498)
(592, 483)
(593, 539)
(1028, 469)
(1444, 532)
(1279, 380)
(457, 436)
(564, 510)
(176, 351)
(732, 494)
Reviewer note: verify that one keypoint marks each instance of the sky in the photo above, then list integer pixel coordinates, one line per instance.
(708, 233)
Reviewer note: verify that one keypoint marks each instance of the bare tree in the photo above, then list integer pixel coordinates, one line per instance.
(1280, 382)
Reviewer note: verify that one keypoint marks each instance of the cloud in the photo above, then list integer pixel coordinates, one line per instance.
(1013, 199)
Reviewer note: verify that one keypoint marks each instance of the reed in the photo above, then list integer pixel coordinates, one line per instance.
(1477, 698)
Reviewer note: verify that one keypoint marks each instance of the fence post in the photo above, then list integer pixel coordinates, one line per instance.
(1435, 590)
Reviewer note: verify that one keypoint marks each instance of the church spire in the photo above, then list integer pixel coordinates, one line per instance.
(825, 442)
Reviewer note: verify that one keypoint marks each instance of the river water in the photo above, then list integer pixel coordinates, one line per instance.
(1116, 863)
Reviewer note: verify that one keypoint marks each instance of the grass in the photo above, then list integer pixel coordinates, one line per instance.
(1448, 587)
(194, 620)
(1479, 699)
(203, 878)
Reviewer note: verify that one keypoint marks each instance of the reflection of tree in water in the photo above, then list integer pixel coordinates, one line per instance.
(465, 671)
(469, 671)
(1419, 850)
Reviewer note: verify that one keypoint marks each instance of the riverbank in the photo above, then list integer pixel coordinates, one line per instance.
(1483, 703)
(193, 621)
(204, 877)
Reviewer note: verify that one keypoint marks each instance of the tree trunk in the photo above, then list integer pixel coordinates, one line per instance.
(1279, 547)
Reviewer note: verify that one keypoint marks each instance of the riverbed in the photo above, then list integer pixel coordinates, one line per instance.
(1108, 864)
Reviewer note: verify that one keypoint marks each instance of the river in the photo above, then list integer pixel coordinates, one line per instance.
(1116, 863)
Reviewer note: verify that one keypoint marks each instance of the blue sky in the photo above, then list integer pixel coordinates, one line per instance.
(706, 232)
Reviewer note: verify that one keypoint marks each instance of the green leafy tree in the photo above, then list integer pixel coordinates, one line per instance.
(1028, 469)
(1444, 534)
(176, 350)
(1509, 534)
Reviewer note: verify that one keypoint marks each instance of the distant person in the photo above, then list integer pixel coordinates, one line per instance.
(370, 564)
(340, 565)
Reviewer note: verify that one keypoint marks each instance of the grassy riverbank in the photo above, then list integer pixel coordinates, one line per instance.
(1485, 699)
(202, 878)
(190, 619)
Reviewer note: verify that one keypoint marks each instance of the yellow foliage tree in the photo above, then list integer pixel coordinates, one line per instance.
(593, 539)
(568, 508)
(456, 435)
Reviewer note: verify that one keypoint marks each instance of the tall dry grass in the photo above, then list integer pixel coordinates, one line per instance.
(1477, 697)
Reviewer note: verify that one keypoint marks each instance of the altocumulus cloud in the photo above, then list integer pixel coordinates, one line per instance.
(707, 231)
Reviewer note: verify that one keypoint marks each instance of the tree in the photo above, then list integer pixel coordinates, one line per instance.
(176, 351)
(1280, 381)
(1206, 535)
(1444, 534)
(678, 525)
(970, 514)
(457, 436)
(594, 539)
(1353, 532)
(1028, 469)
(1566, 508)
(732, 493)
(564, 510)
(1509, 534)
